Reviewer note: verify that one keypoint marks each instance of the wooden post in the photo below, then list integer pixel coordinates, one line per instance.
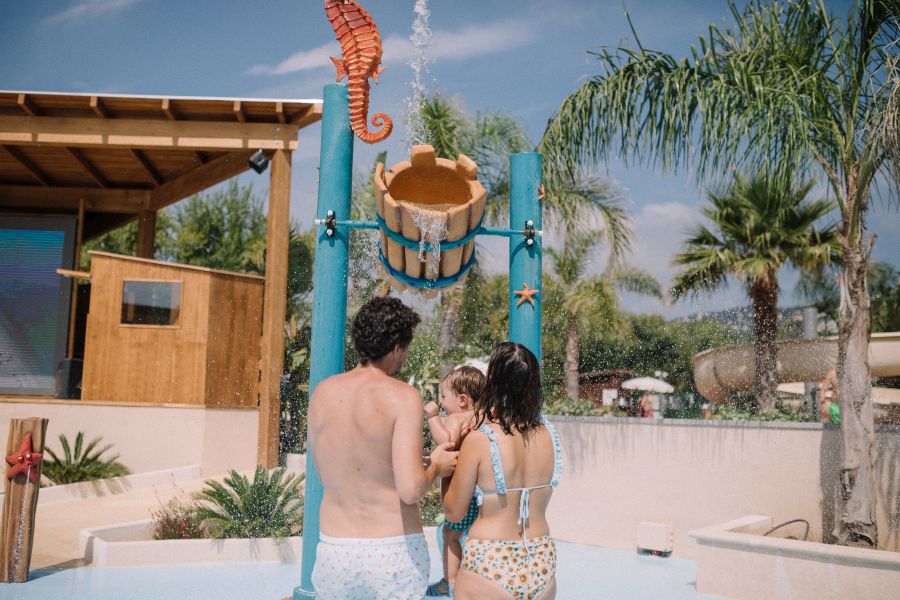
(274, 305)
(146, 234)
(20, 499)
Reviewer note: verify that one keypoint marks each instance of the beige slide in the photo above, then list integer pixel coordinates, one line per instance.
(720, 371)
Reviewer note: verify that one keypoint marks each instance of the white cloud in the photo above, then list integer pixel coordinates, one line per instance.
(90, 8)
(468, 42)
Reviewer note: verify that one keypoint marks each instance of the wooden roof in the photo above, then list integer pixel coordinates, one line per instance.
(124, 154)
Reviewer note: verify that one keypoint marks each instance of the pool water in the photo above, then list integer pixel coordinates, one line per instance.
(585, 572)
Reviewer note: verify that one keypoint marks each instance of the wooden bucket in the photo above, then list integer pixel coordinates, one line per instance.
(438, 195)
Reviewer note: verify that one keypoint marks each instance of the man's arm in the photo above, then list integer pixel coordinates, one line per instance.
(410, 477)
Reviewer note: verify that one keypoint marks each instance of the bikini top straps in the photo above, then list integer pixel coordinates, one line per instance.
(557, 451)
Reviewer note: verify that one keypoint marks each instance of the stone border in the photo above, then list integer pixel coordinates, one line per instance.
(98, 488)
(712, 423)
(735, 560)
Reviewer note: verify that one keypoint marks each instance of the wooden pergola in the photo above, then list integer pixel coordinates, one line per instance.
(111, 159)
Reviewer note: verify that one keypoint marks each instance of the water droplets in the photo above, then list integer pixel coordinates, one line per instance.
(421, 41)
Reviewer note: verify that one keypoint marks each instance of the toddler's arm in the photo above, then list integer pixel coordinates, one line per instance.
(439, 431)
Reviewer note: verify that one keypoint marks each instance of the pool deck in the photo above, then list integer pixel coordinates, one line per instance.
(58, 570)
(585, 572)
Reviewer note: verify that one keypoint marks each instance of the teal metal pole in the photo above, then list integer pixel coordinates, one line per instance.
(329, 293)
(524, 258)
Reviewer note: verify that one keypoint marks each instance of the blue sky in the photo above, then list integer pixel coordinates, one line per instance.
(521, 58)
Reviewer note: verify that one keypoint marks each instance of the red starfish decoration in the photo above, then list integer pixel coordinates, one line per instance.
(541, 195)
(526, 294)
(24, 460)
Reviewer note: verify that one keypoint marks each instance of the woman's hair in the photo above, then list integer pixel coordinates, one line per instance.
(466, 380)
(512, 393)
(380, 325)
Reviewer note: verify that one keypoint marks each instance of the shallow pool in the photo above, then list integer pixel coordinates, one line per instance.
(585, 572)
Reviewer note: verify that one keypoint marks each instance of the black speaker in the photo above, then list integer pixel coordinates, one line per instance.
(68, 379)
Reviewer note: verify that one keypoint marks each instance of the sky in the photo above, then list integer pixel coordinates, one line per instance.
(520, 58)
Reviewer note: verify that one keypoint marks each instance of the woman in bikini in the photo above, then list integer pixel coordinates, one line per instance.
(511, 462)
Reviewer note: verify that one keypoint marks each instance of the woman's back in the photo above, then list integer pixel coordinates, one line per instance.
(526, 462)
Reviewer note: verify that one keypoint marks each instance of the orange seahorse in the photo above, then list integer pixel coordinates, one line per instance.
(361, 49)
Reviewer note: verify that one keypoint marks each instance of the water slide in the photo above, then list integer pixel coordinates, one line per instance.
(720, 371)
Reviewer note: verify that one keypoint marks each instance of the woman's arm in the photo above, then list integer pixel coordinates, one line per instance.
(462, 486)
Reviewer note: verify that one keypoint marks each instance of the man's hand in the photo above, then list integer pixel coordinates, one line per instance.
(432, 410)
(444, 459)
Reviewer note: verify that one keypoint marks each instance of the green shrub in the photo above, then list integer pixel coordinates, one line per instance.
(431, 508)
(177, 519)
(570, 407)
(269, 506)
(83, 463)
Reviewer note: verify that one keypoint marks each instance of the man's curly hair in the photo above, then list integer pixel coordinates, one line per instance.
(381, 324)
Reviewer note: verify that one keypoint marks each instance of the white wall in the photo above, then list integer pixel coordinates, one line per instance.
(148, 437)
(693, 474)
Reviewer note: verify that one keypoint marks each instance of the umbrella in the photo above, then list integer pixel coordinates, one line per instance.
(649, 384)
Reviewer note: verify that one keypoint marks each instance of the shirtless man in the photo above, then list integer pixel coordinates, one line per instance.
(365, 433)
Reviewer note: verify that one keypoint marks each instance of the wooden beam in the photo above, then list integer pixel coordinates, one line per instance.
(67, 199)
(311, 115)
(88, 166)
(272, 363)
(146, 133)
(167, 110)
(199, 157)
(29, 166)
(146, 234)
(148, 166)
(73, 298)
(279, 112)
(98, 107)
(239, 112)
(27, 105)
(74, 274)
(200, 178)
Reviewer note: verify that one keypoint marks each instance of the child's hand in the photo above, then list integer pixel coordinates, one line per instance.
(432, 410)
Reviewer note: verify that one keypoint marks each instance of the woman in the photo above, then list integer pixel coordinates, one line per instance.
(510, 462)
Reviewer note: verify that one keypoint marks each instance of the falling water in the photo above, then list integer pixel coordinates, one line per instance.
(432, 226)
(421, 40)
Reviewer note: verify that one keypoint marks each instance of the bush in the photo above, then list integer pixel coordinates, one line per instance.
(431, 508)
(269, 506)
(177, 519)
(84, 463)
(570, 407)
(782, 413)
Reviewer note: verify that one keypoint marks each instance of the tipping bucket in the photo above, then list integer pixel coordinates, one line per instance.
(429, 210)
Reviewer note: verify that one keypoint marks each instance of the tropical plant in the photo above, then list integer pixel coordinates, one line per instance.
(81, 463)
(123, 240)
(269, 506)
(580, 297)
(758, 225)
(821, 289)
(791, 86)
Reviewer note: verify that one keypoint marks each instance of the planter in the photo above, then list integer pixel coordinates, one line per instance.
(115, 485)
(129, 544)
(736, 561)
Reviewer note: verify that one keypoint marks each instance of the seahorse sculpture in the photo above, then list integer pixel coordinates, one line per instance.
(361, 49)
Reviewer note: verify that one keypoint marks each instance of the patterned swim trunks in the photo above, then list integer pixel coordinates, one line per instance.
(466, 522)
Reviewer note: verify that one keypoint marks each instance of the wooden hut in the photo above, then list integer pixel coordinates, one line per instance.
(74, 166)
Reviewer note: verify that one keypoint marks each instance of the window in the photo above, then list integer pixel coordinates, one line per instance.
(151, 302)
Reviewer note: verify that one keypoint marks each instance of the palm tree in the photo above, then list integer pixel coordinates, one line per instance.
(489, 139)
(758, 226)
(789, 86)
(581, 298)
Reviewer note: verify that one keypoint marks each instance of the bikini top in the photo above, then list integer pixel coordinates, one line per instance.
(500, 479)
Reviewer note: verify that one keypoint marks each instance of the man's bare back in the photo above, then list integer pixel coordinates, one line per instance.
(366, 431)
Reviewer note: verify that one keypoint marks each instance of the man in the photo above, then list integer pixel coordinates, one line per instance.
(365, 434)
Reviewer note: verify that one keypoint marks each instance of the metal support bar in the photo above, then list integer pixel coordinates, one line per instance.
(525, 254)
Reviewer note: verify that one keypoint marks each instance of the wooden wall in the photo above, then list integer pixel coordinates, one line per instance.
(209, 356)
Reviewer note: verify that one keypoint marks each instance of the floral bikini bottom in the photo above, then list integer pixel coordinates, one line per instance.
(523, 569)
